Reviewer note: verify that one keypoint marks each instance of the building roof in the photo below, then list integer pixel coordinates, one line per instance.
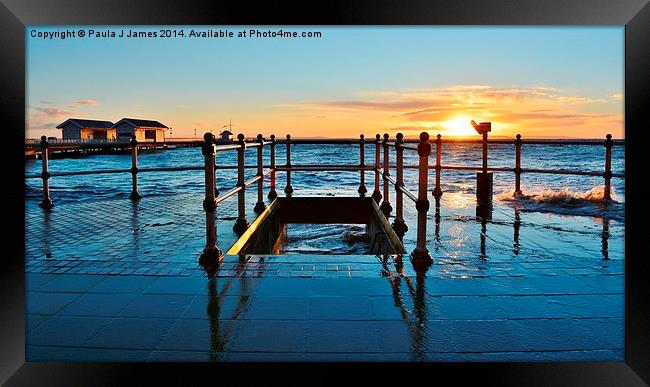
(228, 132)
(84, 123)
(137, 122)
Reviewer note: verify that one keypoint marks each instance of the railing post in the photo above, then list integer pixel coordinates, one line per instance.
(362, 164)
(288, 189)
(211, 251)
(45, 175)
(484, 179)
(420, 256)
(386, 208)
(437, 191)
(241, 224)
(272, 192)
(399, 225)
(518, 165)
(135, 195)
(260, 206)
(376, 194)
(485, 152)
(608, 167)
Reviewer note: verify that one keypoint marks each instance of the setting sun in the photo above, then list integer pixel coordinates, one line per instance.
(459, 126)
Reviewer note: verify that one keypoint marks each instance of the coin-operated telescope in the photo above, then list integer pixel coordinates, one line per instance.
(482, 128)
(484, 180)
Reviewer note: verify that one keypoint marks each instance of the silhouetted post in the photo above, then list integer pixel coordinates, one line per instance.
(260, 206)
(386, 208)
(484, 179)
(272, 192)
(518, 165)
(437, 191)
(362, 163)
(420, 255)
(376, 194)
(45, 175)
(485, 152)
(399, 225)
(211, 251)
(608, 167)
(241, 224)
(288, 189)
(135, 195)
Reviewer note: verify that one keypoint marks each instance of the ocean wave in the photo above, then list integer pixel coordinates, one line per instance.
(568, 202)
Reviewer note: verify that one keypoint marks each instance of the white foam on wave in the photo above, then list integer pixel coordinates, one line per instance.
(564, 196)
(568, 202)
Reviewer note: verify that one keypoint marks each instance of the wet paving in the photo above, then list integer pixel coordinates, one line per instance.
(113, 280)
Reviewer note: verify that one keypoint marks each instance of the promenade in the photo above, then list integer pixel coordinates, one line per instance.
(117, 280)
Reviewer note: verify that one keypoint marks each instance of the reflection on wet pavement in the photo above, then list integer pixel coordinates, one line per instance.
(114, 281)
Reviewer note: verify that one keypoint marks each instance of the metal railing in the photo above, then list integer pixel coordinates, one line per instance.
(380, 168)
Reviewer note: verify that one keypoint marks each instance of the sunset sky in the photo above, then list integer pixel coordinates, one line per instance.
(542, 82)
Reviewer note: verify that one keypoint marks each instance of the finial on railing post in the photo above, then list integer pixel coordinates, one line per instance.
(399, 225)
(241, 224)
(376, 195)
(385, 207)
(437, 191)
(288, 189)
(272, 192)
(420, 256)
(609, 143)
(211, 253)
(518, 143)
(260, 206)
(46, 203)
(362, 163)
(135, 195)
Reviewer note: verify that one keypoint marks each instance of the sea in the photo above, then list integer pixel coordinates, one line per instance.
(574, 197)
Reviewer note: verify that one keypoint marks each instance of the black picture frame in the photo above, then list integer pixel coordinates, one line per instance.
(15, 15)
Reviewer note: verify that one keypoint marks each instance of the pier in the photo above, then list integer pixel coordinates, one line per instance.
(68, 148)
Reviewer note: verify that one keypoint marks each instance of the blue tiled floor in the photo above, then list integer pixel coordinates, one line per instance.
(106, 295)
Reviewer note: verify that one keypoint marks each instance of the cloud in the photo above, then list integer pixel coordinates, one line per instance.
(87, 102)
(43, 118)
(417, 101)
(540, 108)
(371, 105)
(54, 112)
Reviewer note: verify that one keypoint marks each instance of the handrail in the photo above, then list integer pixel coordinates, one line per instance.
(620, 142)
(404, 190)
(325, 167)
(141, 170)
(228, 194)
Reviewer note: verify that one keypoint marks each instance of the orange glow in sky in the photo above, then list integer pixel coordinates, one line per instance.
(550, 82)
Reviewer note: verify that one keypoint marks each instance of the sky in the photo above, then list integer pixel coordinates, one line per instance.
(541, 82)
